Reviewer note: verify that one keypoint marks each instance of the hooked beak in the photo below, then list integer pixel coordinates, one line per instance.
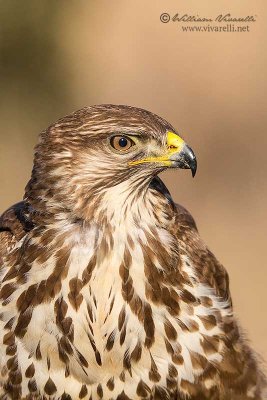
(177, 155)
(181, 155)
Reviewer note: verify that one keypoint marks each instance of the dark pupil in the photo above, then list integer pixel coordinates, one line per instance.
(123, 142)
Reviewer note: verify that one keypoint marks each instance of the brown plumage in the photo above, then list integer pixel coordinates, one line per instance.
(107, 290)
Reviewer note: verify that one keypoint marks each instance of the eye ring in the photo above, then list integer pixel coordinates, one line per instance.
(121, 143)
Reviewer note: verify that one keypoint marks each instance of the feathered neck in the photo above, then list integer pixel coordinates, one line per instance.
(137, 202)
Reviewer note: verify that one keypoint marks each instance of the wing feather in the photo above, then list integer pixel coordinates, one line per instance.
(14, 224)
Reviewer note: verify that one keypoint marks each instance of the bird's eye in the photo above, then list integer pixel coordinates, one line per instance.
(121, 143)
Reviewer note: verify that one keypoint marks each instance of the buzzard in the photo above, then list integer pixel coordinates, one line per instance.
(107, 290)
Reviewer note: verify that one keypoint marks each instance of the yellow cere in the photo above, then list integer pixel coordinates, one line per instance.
(174, 142)
(174, 145)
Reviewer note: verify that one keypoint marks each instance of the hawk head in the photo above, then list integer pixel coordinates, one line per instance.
(102, 152)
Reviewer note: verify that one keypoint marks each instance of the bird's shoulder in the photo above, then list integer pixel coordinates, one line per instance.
(15, 223)
(208, 269)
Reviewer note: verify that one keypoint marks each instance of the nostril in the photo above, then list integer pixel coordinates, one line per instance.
(172, 147)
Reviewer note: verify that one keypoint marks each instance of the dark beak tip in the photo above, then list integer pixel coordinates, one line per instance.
(193, 167)
(186, 159)
(191, 160)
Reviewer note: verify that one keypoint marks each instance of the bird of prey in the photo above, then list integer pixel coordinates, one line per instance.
(107, 290)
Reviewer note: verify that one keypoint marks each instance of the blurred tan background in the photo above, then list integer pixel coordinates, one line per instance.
(59, 56)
